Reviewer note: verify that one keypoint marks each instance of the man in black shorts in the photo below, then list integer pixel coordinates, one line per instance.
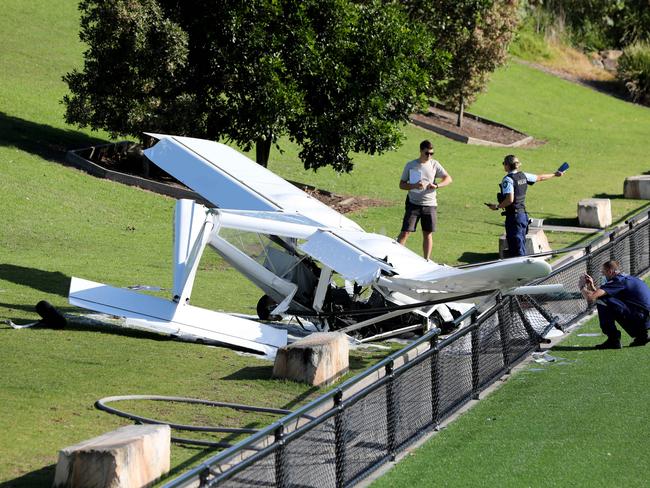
(419, 178)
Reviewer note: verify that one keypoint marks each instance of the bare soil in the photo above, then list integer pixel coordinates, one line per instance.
(471, 127)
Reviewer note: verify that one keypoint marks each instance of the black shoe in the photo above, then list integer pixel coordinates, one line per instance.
(610, 344)
(639, 341)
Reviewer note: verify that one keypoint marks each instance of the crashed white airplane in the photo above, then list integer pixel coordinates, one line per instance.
(383, 286)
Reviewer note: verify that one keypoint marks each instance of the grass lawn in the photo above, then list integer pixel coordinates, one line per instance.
(579, 421)
(59, 222)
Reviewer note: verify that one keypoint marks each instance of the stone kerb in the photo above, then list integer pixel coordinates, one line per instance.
(595, 212)
(318, 359)
(131, 456)
(637, 187)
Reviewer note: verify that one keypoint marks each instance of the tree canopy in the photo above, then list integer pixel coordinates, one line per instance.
(475, 34)
(335, 76)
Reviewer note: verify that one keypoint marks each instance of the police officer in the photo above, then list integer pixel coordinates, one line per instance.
(512, 199)
(622, 298)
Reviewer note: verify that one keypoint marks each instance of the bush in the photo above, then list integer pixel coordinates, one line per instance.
(529, 43)
(634, 71)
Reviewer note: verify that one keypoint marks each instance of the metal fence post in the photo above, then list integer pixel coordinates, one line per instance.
(435, 382)
(633, 248)
(591, 271)
(204, 477)
(280, 458)
(504, 333)
(476, 354)
(612, 250)
(339, 439)
(391, 408)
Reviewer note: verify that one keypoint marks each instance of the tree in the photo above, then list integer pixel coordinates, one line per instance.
(475, 34)
(335, 76)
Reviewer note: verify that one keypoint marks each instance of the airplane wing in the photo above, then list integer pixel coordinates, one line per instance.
(177, 319)
(230, 180)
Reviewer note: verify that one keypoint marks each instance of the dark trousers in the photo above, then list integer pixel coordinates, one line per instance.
(633, 321)
(516, 229)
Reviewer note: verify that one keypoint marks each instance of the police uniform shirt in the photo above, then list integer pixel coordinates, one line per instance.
(628, 289)
(507, 184)
(430, 170)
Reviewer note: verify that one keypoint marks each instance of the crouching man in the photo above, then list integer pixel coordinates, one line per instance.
(622, 298)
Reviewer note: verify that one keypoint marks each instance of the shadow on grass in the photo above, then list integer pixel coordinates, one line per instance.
(104, 328)
(188, 463)
(52, 282)
(612, 88)
(477, 257)
(27, 308)
(265, 373)
(40, 477)
(562, 221)
(574, 348)
(611, 196)
(251, 373)
(42, 140)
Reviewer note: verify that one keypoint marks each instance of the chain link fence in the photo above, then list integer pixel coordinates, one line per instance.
(341, 437)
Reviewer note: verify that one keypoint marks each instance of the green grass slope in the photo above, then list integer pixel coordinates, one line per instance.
(59, 222)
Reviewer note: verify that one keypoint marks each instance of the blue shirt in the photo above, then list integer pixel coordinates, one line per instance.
(628, 289)
(507, 185)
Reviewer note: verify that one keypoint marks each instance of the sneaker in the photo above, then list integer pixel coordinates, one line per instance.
(610, 344)
(639, 341)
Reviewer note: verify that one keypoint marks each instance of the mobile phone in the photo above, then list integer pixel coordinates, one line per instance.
(564, 167)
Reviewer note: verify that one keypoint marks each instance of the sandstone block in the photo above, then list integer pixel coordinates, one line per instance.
(536, 241)
(317, 359)
(132, 456)
(595, 212)
(637, 187)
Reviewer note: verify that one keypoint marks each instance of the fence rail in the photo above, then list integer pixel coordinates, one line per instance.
(344, 435)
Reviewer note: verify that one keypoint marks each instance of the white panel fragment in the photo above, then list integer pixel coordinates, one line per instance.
(346, 259)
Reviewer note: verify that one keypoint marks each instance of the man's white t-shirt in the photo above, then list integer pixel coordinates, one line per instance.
(429, 171)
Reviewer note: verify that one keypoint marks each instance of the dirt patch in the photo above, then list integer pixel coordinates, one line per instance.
(473, 127)
(127, 158)
(345, 203)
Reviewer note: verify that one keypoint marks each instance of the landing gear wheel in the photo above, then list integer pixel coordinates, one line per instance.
(265, 306)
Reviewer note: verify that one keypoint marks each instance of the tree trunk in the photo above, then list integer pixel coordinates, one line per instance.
(461, 112)
(263, 150)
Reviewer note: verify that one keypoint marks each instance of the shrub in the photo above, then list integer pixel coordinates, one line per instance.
(634, 71)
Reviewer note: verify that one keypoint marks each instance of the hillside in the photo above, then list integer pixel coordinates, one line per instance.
(60, 222)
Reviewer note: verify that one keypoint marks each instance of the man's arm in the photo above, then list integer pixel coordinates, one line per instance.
(405, 185)
(445, 181)
(588, 289)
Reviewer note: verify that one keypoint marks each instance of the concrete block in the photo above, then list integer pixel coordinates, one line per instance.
(595, 213)
(637, 187)
(132, 456)
(536, 242)
(317, 359)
